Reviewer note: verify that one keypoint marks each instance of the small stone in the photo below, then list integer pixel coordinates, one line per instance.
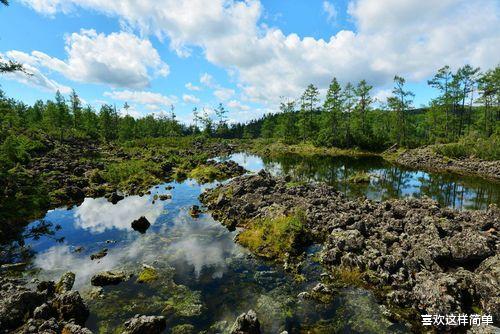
(141, 225)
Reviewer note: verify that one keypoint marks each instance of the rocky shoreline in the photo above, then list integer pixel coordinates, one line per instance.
(427, 159)
(418, 257)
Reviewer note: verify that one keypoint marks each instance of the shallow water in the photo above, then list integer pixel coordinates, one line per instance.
(205, 279)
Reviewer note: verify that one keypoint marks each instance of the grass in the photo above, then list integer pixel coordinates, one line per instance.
(132, 174)
(274, 237)
(277, 148)
(205, 173)
(472, 146)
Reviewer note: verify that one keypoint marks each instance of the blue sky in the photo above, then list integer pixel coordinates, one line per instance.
(244, 54)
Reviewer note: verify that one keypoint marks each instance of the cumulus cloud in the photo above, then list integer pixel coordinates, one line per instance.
(207, 80)
(190, 99)
(32, 75)
(224, 94)
(118, 59)
(235, 104)
(413, 39)
(192, 87)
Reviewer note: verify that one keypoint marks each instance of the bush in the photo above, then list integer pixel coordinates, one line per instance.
(473, 145)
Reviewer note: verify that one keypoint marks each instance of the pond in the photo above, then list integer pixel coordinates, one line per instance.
(386, 180)
(205, 280)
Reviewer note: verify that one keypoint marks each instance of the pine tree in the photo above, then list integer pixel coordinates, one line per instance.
(400, 102)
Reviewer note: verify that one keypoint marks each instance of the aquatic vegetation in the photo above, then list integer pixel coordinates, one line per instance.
(274, 237)
(184, 302)
(183, 329)
(147, 275)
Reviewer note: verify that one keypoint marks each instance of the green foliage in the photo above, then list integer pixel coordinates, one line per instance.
(473, 145)
(132, 174)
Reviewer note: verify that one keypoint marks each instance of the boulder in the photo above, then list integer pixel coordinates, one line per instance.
(108, 278)
(141, 225)
(145, 325)
(246, 323)
(65, 283)
(70, 305)
(100, 254)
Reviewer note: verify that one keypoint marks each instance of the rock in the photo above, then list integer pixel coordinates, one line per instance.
(75, 329)
(145, 325)
(78, 249)
(43, 311)
(108, 278)
(165, 197)
(435, 260)
(100, 254)
(115, 197)
(70, 305)
(246, 323)
(65, 283)
(469, 246)
(141, 225)
(195, 211)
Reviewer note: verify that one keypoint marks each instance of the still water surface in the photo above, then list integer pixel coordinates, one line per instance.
(206, 279)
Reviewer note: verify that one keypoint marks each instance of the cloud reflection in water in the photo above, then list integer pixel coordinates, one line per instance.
(98, 215)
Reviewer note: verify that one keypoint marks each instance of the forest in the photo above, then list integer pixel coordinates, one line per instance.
(465, 116)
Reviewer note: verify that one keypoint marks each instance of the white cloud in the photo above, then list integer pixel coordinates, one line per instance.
(142, 97)
(118, 59)
(411, 38)
(224, 94)
(207, 80)
(238, 105)
(330, 11)
(32, 76)
(190, 99)
(192, 87)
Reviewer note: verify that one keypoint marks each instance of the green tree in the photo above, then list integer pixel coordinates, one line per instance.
(364, 101)
(330, 132)
(441, 81)
(309, 100)
(400, 102)
(108, 121)
(286, 128)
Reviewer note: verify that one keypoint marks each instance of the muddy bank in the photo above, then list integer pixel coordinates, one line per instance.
(427, 159)
(418, 257)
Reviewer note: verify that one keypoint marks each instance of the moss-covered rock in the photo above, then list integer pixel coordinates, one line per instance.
(148, 275)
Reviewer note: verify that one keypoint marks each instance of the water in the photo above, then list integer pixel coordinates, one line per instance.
(205, 279)
(387, 180)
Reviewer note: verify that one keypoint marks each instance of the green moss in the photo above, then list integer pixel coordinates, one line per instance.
(183, 329)
(274, 237)
(147, 275)
(184, 302)
(206, 173)
(343, 276)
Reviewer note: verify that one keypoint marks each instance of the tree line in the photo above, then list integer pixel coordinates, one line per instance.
(468, 102)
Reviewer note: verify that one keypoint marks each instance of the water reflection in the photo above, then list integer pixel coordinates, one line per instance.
(98, 215)
(190, 245)
(387, 181)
